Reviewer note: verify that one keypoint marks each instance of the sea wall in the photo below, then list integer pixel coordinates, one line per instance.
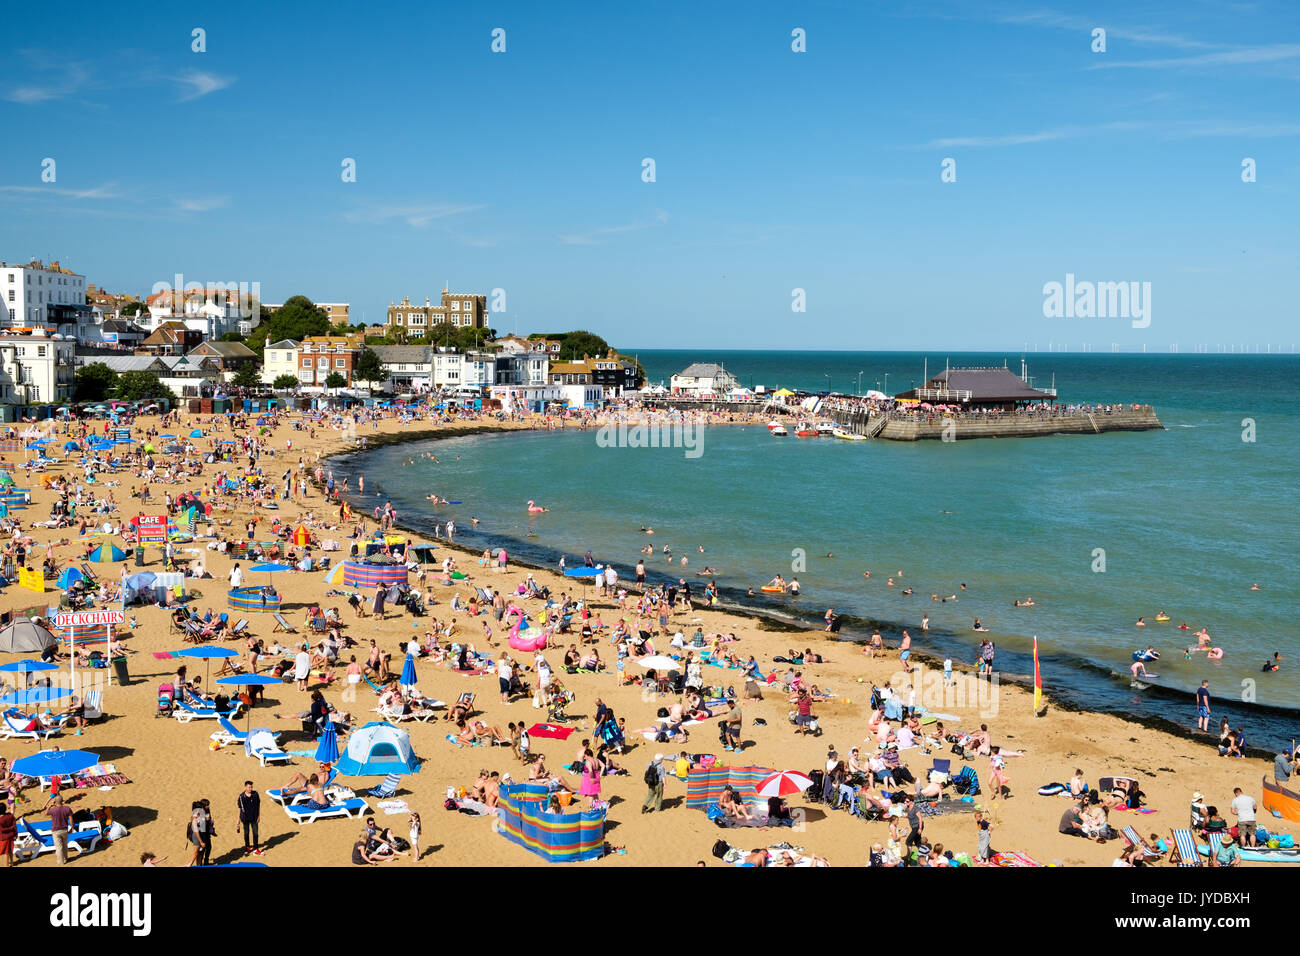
(908, 429)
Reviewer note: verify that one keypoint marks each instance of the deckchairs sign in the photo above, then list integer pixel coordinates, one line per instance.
(32, 580)
(88, 618)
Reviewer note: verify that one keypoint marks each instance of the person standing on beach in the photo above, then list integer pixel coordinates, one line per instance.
(654, 780)
(1245, 809)
(302, 667)
(249, 803)
(914, 821)
(8, 833)
(1203, 706)
(733, 726)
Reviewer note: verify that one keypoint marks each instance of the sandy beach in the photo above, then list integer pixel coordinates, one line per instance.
(170, 764)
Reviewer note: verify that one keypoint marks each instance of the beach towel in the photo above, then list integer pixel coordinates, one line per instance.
(164, 655)
(470, 673)
(550, 730)
(393, 807)
(1013, 858)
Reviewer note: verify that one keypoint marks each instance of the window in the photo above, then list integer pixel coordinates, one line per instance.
(40, 351)
(339, 363)
(455, 306)
(11, 295)
(306, 363)
(324, 363)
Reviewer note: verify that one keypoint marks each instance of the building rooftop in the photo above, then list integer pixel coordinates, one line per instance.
(982, 384)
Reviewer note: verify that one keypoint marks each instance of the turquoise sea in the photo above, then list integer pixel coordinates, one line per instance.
(1188, 519)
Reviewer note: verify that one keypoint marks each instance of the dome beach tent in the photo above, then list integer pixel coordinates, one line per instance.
(107, 554)
(26, 637)
(378, 749)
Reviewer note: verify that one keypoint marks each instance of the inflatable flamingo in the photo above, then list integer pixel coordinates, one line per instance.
(536, 509)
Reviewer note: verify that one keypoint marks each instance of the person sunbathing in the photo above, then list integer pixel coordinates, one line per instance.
(537, 772)
(733, 806)
(317, 799)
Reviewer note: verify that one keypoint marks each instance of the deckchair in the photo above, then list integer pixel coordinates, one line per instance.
(388, 788)
(373, 686)
(83, 841)
(16, 723)
(267, 755)
(230, 734)
(278, 795)
(90, 575)
(1184, 852)
(348, 808)
(282, 625)
(93, 705)
(185, 711)
(972, 785)
(943, 767)
(1133, 839)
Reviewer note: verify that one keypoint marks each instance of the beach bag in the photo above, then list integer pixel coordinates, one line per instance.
(1285, 840)
(716, 814)
(449, 804)
(720, 848)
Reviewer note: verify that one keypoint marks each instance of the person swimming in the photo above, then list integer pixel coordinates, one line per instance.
(1140, 623)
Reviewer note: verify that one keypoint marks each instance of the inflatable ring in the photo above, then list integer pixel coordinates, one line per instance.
(1214, 653)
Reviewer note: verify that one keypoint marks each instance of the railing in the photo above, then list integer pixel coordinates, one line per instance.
(944, 394)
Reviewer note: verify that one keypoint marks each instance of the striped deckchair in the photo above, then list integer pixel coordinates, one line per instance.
(1133, 839)
(705, 785)
(1184, 851)
(388, 788)
(555, 837)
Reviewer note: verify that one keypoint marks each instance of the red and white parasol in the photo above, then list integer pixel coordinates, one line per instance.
(783, 784)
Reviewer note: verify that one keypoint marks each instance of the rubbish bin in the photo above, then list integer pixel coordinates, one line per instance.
(119, 670)
(139, 557)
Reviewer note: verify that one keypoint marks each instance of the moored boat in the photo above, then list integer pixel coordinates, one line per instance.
(1277, 799)
(804, 430)
(777, 429)
(848, 436)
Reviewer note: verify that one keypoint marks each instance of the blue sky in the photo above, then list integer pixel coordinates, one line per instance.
(775, 170)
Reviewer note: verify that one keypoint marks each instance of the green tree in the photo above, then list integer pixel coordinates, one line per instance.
(296, 319)
(247, 376)
(574, 345)
(133, 386)
(332, 380)
(368, 368)
(285, 382)
(93, 382)
(231, 337)
(133, 308)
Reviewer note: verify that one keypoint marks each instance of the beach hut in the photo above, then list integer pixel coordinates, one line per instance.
(26, 637)
(522, 818)
(378, 749)
(364, 574)
(705, 785)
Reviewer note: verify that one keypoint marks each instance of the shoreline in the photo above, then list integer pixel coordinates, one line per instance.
(791, 621)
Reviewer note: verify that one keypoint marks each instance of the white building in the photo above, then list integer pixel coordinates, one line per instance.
(446, 369)
(29, 291)
(409, 367)
(478, 369)
(212, 317)
(280, 358)
(526, 398)
(36, 366)
(703, 379)
(582, 396)
(522, 368)
(187, 377)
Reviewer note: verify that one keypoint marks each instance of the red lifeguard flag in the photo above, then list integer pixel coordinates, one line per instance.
(1038, 680)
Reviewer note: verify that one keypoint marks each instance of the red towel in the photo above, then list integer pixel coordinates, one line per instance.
(550, 730)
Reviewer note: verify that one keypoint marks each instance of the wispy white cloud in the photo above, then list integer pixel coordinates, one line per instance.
(50, 82)
(196, 83)
(107, 191)
(1141, 35)
(1241, 56)
(1192, 129)
(415, 215)
(201, 205)
(596, 237)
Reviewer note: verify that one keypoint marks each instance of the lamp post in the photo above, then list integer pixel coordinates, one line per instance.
(858, 389)
(828, 381)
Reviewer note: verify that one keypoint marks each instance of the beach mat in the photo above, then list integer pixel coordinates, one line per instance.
(552, 731)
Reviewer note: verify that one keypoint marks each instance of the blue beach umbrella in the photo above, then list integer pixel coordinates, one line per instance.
(71, 446)
(197, 433)
(249, 680)
(584, 574)
(208, 654)
(55, 763)
(28, 667)
(270, 568)
(327, 751)
(34, 695)
(408, 672)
